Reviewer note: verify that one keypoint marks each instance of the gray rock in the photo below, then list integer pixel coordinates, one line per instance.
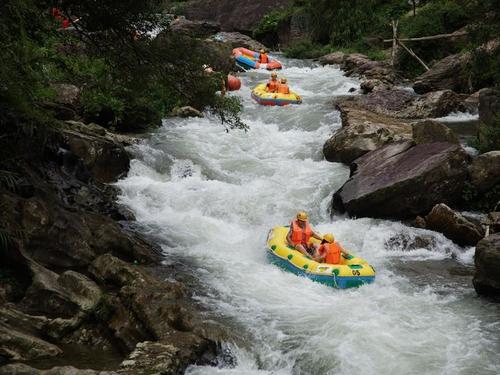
(400, 180)
(450, 73)
(489, 116)
(334, 58)
(432, 131)
(454, 226)
(236, 39)
(197, 29)
(233, 15)
(362, 131)
(487, 260)
(186, 111)
(66, 94)
(485, 171)
(20, 346)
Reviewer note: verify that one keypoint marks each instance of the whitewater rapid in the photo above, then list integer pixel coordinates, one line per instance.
(210, 197)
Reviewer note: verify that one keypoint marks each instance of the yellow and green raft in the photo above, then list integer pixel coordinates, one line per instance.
(263, 97)
(352, 272)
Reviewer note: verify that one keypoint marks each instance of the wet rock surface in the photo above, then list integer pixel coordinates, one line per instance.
(450, 73)
(454, 226)
(233, 15)
(432, 131)
(236, 39)
(362, 131)
(195, 29)
(487, 260)
(78, 273)
(402, 180)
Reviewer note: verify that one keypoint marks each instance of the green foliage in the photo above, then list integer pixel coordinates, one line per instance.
(485, 69)
(270, 22)
(484, 202)
(227, 108)
(305, 49)
(489, 136)
(128, 80)
(436, 17)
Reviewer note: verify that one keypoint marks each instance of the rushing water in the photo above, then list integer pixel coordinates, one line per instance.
(211, 197)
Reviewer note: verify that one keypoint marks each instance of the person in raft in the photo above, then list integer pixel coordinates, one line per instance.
(272, 85)
(283, 87)
(299, 234)
(330, 251)
(263, 58)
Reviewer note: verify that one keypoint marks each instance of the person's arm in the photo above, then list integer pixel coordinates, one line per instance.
(289, 237)
(342, 250)
(317, 235)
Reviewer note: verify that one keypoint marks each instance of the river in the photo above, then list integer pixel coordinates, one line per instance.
(210, 197)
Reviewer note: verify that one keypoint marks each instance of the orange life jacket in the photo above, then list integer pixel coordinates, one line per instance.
(283, 89)
(263, 59)
(272, 86)
(299, 235)
(333, 251)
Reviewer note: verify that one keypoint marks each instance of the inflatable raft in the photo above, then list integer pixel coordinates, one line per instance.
(352, 272)
(261, 96)
(249, 59)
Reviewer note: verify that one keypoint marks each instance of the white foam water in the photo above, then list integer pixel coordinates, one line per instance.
(211, 197)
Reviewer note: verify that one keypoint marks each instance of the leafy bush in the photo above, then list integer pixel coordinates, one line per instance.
(305, 49)
(436, 17)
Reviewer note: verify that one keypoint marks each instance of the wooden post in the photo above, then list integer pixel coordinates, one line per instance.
(413, 54)
(394, 41)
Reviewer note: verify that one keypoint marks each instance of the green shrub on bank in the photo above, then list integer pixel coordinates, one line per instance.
(305, 49)
(127, 79)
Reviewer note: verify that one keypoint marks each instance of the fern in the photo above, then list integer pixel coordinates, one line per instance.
(8, 179)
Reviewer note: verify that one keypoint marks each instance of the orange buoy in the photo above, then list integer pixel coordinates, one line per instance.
(233, 83)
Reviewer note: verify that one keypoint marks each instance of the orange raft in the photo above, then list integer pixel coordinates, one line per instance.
(249, 59)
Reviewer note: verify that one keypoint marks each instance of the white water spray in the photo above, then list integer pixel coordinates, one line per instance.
(211, 198)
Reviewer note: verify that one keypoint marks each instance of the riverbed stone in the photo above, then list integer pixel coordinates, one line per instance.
(450, 73)
(16, 345)
(23, 369)
(485, 171)
(402, 180)
(432, 131)
(487, 261)
(454, 226)
(362, 131)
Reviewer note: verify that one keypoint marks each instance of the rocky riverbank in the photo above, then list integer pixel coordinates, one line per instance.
(76, 274)
(406, 166)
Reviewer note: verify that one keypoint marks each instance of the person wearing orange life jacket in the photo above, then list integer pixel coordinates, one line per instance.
(330, 251)
(283, 87)
(272, 85)
(299, 234)
(263, 58)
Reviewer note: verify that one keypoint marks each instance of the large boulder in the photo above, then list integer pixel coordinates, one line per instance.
(405, 104)
(105, 160)
(236, 39)
(20, 346)
(196, 29)
(453, 225)
(362, 131)
(431, 131)
(487, 260)
(450, 73)
(334, 58)
(485, 171)
(233, 15)
(400, 180)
